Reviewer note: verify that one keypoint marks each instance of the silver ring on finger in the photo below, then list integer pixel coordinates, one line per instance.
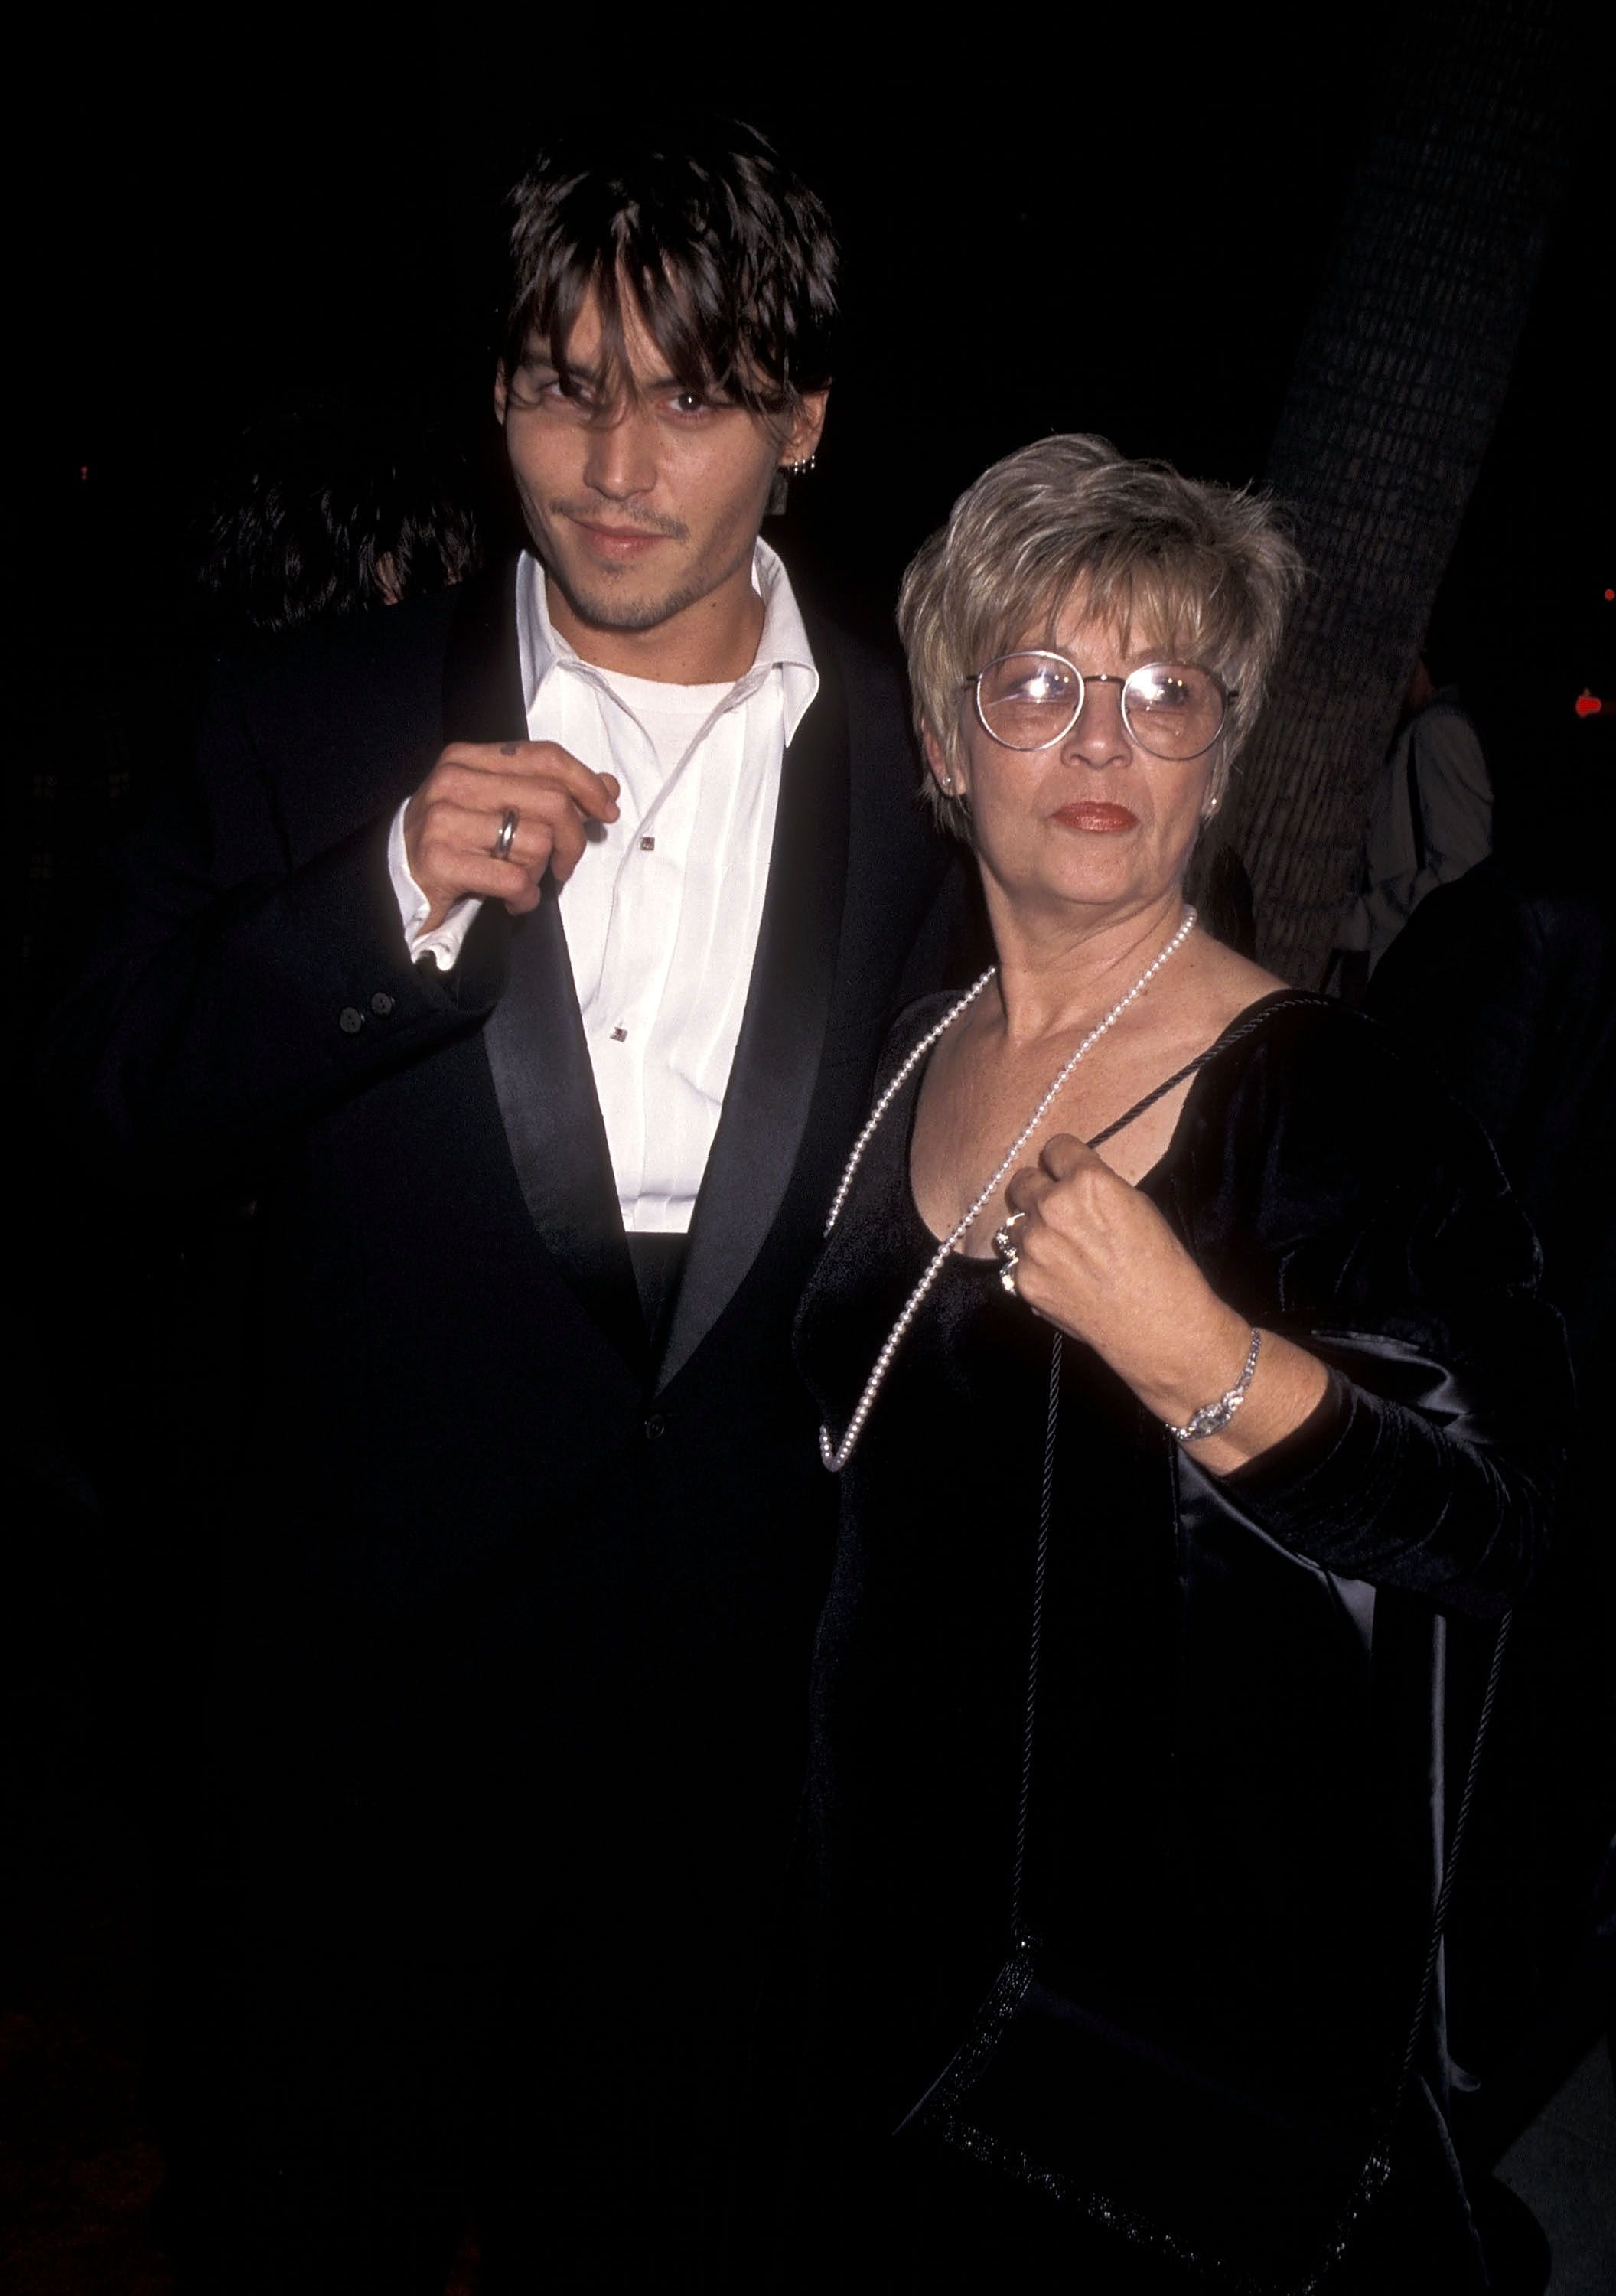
(1002, 1244)
(1008, 1253)
(503, 842)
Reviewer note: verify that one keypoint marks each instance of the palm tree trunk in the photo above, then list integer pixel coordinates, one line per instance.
(1398, 382)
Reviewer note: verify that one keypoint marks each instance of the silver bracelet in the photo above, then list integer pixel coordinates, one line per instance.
(1212, 1418)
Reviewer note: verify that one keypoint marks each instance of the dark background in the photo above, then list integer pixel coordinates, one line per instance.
(1054, 229)
(1071, 227)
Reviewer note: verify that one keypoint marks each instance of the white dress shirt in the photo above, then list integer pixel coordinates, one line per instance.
(663, 912)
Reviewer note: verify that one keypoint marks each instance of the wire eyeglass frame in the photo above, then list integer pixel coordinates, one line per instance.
(1099, 677)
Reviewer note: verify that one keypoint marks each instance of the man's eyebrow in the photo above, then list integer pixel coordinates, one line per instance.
(539, 360)
(695, 386)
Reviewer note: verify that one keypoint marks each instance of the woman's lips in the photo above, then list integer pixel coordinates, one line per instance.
(1103, 820)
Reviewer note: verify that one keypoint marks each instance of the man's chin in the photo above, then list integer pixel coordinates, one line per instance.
(622, 605)
(615, 612)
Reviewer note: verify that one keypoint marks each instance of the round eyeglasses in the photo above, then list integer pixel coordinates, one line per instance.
(1169, 708)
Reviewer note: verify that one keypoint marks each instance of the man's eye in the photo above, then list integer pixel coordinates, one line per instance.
(689, 402)
(543, 387)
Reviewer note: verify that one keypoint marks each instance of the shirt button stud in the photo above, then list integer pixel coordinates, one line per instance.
(655, 1425)
(350, 1020)
(381, 1003)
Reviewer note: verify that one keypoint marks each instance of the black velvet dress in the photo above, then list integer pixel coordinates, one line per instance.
(1237, 1824)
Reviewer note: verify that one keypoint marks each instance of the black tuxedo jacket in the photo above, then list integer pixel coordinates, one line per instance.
(493, 1573)
(457, 1390)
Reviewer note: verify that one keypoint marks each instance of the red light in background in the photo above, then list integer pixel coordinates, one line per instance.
(1588, 705)
(84, 475)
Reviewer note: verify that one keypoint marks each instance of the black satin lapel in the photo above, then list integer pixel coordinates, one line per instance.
(782, 1032)
(482, 667)
(534, 1038)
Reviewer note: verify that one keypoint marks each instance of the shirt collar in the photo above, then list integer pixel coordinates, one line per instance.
(783, 645)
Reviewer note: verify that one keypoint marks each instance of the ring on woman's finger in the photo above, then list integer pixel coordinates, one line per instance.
(507, 836)
(1002, 1244)
(1007, 1252)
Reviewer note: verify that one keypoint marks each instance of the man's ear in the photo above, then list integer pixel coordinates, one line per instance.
(502, 393)
(806, 425)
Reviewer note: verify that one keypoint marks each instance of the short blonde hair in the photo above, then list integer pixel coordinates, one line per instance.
(1207, 572)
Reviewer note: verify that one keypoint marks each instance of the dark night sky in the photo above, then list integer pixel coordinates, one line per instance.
(997, 279)
(196, 239)
(1057, 230)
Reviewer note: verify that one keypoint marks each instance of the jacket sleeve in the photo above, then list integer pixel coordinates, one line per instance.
(246, 966)
(1363, 1216)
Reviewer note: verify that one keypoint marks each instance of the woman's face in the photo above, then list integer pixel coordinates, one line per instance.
(1093, 820)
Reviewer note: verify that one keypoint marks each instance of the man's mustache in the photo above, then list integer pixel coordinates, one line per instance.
(666, 529)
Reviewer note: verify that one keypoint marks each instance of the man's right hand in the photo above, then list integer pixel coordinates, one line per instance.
(454, 821)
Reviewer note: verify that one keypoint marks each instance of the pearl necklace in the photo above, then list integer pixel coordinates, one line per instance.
(837, 1455)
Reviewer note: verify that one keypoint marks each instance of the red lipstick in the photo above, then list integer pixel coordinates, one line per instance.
(1098, 819)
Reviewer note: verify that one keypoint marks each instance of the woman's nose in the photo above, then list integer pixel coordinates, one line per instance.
(1099, 738)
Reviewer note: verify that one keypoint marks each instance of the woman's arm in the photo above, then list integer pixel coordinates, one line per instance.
(1096, 1257)
(1407, 1418)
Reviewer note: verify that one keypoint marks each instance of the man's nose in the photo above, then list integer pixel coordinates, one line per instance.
(621, 457)
(1099, 737)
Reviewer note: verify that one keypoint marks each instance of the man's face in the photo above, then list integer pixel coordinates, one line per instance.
(644, 506)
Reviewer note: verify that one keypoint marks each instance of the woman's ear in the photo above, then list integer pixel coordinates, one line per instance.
(1217, 787)
(950, 783)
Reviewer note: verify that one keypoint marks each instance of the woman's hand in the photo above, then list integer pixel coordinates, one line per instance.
(1096, 1257)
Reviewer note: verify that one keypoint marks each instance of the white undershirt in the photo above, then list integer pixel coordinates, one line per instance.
(663, 912)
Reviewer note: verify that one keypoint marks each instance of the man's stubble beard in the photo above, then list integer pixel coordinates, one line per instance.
(626, 614)
(605, 611)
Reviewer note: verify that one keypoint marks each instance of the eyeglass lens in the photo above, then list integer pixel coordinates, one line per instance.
(1028, 701)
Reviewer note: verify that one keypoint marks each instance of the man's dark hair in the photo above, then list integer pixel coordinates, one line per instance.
(730, 258)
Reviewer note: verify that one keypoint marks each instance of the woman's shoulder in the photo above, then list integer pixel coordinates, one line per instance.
(1285, 1035)
(925, 1018)
(1253, 1036)
(1299, 1084)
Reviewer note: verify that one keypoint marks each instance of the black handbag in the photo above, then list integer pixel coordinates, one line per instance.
(1147, 2139)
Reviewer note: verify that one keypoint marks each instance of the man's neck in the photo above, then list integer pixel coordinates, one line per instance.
(711, 642)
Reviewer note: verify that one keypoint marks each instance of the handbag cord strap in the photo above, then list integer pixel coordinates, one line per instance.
(1035, 1642)
(1243, 1025)
(1376, 2167)
(1439, 1918)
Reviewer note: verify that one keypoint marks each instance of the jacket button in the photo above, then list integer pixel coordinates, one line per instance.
(381, 1003)
(350, 1020)
(655, 1425)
